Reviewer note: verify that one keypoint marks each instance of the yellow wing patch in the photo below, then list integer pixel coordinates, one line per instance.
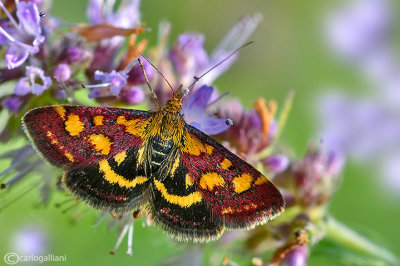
(61, 111)
(182, 201)
(225, 164)
(175, 165)
(101, 143)
(242, 183)
(74, 125)
(135, 126)
(98, 120)
(211, 180)
(194, 146)
(120, 157)
(113, 177)
(188, 181)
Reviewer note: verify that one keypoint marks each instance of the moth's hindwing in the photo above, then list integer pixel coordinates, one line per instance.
(98, 148)
(237, 194)
(180, 208)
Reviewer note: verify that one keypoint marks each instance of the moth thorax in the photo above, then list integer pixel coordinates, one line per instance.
(173, 105)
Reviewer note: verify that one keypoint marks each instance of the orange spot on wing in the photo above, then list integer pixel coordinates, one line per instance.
(261, 180)
(61, 111)
(242, 183)
(182, 201)
(193, 146)
(209, 149)
(69, 156)
(114, 178)
(227, 210)
(135, 126)
(98, 120)
(60, 147)
(226, 164)
(249, 207)
(211, 180)
(74, 125)
(52, 137)
(101, 143)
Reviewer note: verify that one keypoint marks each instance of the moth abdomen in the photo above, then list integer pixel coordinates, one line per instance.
(160, 152)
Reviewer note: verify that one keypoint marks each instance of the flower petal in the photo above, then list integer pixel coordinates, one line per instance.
(15, 56)
(199, 99)
(128, 15)
(29, 19)
(236, 37)
(194, 108)
(94, 11)
(23, 87)
(62, 72)
(188, 55)
(213, 125)
(13, 103)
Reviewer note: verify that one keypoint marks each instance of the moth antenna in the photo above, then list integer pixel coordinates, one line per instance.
(159, 72)
(153, 95)
(217, 65)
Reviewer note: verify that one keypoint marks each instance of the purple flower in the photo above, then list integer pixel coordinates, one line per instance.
(127, 16)
(250, 133)
(347, 126)
(236, 37)
(23, 87)
(296, 256)
(314, 178)
(62, 72)
(133, 95)
(190, 58)
(188, 55)
(74, 54)
(60, 93)
(94, 11)
(30, 241)
(276, 163)
(25, 37)
(194, 108)
(35, 82)
(13, 103)
(363, 130)
(114, 80)
(136, 76)
(359, 29)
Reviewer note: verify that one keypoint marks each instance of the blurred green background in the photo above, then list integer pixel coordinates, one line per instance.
(288, 53)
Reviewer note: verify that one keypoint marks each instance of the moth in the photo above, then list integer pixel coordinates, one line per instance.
(124, 160)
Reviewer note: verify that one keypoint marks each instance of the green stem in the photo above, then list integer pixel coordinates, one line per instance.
(345, 236)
